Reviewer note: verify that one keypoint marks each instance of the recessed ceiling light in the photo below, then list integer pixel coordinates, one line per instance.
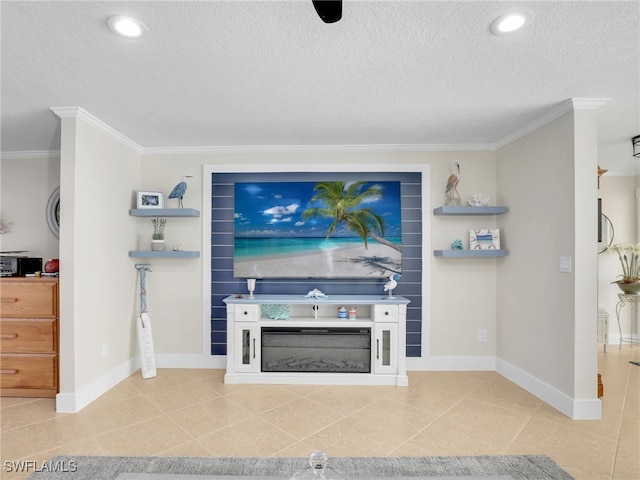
(511, 22)
(127, 27)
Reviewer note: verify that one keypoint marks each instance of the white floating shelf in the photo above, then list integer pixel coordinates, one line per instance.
(163, 254)
(164, 212)
(462, 210)
(469, 253)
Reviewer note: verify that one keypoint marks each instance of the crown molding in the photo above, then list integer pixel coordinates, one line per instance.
(81, 114)
(318, 148)
(86, 117)
(30, 154)
(565, 107)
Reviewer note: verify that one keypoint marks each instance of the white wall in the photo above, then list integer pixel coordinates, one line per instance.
(26, 186)
(180, 312)
(546, 318)
(98, 280)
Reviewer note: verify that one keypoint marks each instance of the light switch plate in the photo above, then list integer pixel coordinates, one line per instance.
(565, 264)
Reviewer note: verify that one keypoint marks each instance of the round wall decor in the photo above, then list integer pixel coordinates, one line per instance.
(53, 212)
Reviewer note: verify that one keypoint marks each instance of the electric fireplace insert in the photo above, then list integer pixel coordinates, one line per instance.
(316, 349)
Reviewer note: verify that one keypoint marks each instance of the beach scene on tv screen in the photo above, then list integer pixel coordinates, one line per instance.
(333, 229)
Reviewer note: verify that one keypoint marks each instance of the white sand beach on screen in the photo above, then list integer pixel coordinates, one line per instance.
(347, 262)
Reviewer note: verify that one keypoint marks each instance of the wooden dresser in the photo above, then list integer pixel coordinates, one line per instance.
(28, 337)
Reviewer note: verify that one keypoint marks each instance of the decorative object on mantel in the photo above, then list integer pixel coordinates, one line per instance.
(275, 311)
(157, 237)
(180, 189)
(478, 200)
(251, 286)
(457, 244)
(629, 256)
(315, 293)
(452, 197)
(391, 284)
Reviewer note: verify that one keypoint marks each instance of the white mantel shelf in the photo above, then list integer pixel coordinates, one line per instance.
(328, 300)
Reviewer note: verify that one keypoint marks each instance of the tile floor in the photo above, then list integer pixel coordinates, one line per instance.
(192, 413)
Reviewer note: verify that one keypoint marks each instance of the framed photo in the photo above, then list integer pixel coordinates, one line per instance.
(150, 200)
(484, 239)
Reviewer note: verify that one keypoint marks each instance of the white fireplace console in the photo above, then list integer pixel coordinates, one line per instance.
(294, 328)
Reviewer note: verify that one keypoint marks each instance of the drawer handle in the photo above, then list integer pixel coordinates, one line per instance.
(9, 300)
(9, 336)
(7, 371)
(386, 313)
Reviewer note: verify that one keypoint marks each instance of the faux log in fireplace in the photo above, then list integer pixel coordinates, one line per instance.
(316, 349)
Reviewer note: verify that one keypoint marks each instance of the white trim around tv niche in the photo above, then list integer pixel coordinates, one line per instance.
(208, 170)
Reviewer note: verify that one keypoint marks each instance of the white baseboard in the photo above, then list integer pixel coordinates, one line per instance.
(452, 363)
(576, 409)
(76, 401)
(178, 360)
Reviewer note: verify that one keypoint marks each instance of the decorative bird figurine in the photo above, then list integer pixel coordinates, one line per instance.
(180, 189)
(391, 284)
(451, 192)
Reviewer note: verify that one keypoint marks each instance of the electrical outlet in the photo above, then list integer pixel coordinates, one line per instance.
(105, 350)
(482, 336)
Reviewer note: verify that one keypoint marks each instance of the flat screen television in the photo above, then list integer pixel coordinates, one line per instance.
(332, 229)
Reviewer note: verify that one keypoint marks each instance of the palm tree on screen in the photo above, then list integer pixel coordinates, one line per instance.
(342, 203)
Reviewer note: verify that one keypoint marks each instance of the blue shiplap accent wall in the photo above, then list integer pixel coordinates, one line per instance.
(224, 284)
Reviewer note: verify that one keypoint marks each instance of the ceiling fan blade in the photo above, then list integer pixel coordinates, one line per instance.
(330, 11)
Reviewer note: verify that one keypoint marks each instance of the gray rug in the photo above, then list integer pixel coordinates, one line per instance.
(518, 467)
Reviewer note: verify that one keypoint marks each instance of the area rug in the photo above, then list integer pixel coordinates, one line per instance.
(517, 467)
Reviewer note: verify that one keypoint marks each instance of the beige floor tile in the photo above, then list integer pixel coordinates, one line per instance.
(425, 397)
(26, 413)
(144, 439)
(389, 418)
(355, 437)
(482, 417)
(253, 437)
(181, 396)
(446, 437)
(192, 448)
(588, 452)
(627, 462)
(260, 398)
(301, 417)
(193, 413)
(347, 398)
(209, 416)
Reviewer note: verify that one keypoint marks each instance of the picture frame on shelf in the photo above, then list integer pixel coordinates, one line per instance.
(484, 239)
(150, 200)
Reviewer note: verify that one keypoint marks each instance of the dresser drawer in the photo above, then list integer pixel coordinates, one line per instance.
(33, 299)
(29, 335)
(246, 313)
(28, 371)
(385, 313)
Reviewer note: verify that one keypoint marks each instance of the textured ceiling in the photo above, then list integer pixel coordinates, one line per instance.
(271, 73)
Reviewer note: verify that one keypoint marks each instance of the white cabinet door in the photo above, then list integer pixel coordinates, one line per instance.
(385, 348)
(247, 353)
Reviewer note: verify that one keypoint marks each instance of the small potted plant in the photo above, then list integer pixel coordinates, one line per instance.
(157, 237)
(629, 256)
